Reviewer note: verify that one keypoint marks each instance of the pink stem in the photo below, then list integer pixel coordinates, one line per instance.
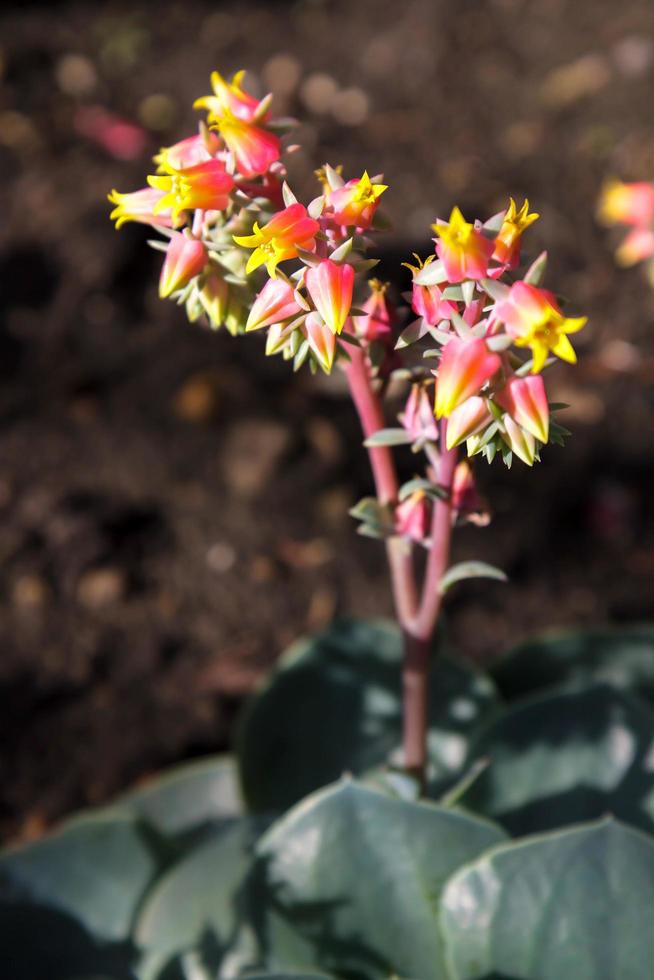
(418, 637)
(371, 416)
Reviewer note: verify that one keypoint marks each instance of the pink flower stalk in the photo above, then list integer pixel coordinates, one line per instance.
(637, 246)
(418, 415)
(467, 420)
(466, 365)
(627, 204)
(520, 441)
(380, 318)
(467, 503)
(533, 318)
(356, 202)
(322, 340)
(279, 239)
(525, 399)
(275, 302)
(206, 186)
(143, 206)
(330, 286)
(185, 259)
(413, 517)
(229, 97)
(187, 153)
(254, 149)
(464, 251)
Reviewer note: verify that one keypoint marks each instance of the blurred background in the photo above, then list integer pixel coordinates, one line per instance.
(173, 505)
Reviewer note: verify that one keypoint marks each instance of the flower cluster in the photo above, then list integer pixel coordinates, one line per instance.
(492, 398)
(243, 251)
(208, 188)
(631, 205)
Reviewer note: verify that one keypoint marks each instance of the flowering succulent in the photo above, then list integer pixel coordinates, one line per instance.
(632, 205)
(244, 252)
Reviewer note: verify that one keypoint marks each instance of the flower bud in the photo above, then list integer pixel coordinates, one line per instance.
(185, 258)
(467, 503)
(214, 297)
(525, 399)
(322, 340)
(466, 420)
(418, 416)
(330, 286)
(275, 302)
(380, 317)
(413, 517)
(627, 204)
(465, 366)
(519, 440)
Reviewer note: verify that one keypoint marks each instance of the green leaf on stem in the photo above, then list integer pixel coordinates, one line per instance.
(470, 569)
(571, 905)
(414, 332)
(388, 437)
(431, 489)
(357, 877)
(333, 705)
(536, 271)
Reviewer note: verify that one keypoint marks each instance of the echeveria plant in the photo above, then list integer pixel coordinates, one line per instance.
(379, 820)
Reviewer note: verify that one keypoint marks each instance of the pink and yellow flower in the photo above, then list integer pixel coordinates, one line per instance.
(279, 239)
(467, 420)
(533, 318)
(525, 400)
(355, 202)
(507, 244)
(330, 286)
(464, 251)
(228, 97)
(322, 340)
(627, 204)
(276, 302)
(466, 365)
(637, 246)
(206, 186)
(185, 258)
(143, 206)
(254, 149)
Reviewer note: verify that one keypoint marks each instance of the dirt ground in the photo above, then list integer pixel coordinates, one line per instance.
(172, 504)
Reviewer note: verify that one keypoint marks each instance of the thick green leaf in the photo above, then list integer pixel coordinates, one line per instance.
(388, 437)
(196, 896)
(333, 705)
(573, 905)
(95, 870)
(567, 757)
(357, 876)
(622, 657)
(188, 797)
